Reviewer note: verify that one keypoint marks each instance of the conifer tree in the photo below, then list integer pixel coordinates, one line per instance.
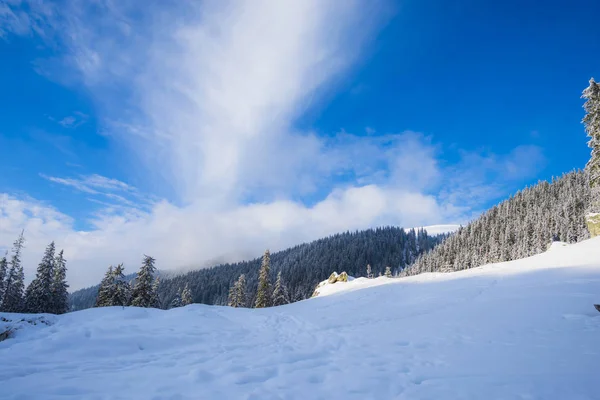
(105, 290)
(237, 293)
(59, 287)
(263, 294)
(369, 271)
(156, 298)
(280, 293)
(176, 301)
(122, 290)
(3, 272)
(143, 290)
(186, 296)
(38, 296)
(13, 300)
(592, 128)
(388, 272)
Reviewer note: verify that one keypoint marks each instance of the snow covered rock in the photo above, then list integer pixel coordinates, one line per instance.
(10, 323)
(333, 278)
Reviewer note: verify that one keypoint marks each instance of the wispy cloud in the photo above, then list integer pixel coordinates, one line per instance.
(71, 121)
(24, 18)
(93, 184)
(118, 195)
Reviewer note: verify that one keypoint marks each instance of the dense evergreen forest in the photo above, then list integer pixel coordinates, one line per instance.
(47, 292)
(519, 227)
(301, 267)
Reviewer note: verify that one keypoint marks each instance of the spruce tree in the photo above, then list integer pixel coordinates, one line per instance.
(59, 287)
(143, 290)
(3, 272)
(369, 271)
(237, 293)
(388, 272)
(122, 291)
(38, 296)
(106, 289)
(263, 294)
(186, 295)
(592, 128)
(176, 302)
(155, 297)
(13, 300)
(280, 293)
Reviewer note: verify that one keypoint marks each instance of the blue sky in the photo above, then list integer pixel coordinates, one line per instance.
(214, 130)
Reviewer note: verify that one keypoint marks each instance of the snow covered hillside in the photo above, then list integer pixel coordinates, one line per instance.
(525, 329)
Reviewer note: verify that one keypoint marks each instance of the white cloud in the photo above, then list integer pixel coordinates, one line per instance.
(72, 121)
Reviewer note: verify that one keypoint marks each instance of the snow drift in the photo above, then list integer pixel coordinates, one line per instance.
(525, 329)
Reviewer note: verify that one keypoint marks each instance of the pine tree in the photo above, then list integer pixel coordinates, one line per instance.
(186, 296)
(106, 289)
(388, 272)
(122, 290)
(3, 272)
(143, 291)
(369, 271)
(237, 293)
(38, 296)
(59, 286)
(176, 301)
(263, 294)
(156, 298)
(592, 128)
(13, 300)
(280, 293)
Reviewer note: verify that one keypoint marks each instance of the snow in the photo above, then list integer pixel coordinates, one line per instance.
(439, 229)
(525, 329)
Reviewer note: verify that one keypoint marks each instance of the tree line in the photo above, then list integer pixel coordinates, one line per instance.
(522, 226)
(142, 291)
(298, 269)
(47, 292)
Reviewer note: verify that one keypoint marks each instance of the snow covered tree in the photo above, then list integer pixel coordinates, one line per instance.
(143, 290)
(592, 128)
(237, 293)
(263, 294)
(13, 300)
(3, 271)
(38, 296)
(176, 301)
(280, 293)
(186, 295)
(369, 271)
(388, 272)
(122, 290)
(59, 286)
(106, 289)
(156, 298)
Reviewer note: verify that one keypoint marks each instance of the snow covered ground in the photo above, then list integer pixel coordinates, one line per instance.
(520, 330)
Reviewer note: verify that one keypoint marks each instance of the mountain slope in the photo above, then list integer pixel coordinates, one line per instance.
(518, 227)
(524, 329)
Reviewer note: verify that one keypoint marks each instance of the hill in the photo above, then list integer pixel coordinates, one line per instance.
(302, 266)
(515, 330)
(519, 227)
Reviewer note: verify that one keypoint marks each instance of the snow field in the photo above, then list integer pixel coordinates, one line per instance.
(525, 329)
